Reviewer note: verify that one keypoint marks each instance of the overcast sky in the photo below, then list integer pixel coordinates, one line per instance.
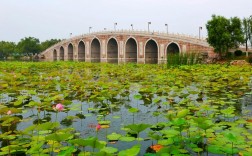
(47, 19)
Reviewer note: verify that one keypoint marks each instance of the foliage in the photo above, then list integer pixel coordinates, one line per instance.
(28, 46)
(230, 55)
(247, 27)
(224, 34)
(6, 48)
(131, 151)
(48, 43)
(250, 58)
(178, 59)
(250, 29)
(236, 33)
(238, 53)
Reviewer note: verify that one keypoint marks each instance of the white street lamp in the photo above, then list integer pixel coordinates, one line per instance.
(115, 24)
(90, 29)
(149, 26)
(200, 28)
(166, 28)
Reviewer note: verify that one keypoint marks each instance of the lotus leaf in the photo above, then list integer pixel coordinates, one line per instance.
(127, 139)
(138, 127)
(109, 150)
(133, 151)
(59, 136)
(113, 136)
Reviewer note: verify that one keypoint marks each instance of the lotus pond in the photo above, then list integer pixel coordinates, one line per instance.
(69, 108)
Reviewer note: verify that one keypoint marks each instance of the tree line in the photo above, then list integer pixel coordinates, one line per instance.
(25, 47)
(229, 33)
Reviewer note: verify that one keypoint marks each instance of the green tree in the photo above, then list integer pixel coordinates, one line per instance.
(250, 28)
(6, 49)
(48, 43)
(224, 34)
(28, 45)
(246, 31)
(218, 35)
(236, 33)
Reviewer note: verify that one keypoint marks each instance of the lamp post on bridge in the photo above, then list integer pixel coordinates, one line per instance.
(90, 29)
(149, 26)
(132, 27)
(115, 24)
(166, 28)
(200, 28)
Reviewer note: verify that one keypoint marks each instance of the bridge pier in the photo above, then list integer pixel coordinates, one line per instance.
(162, 61)
(141, 60)
(121, 60)
(104, 60)
(88, 60)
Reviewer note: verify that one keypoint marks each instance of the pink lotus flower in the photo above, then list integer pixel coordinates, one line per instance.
(59, 107)
(9, 112)
(98, 127)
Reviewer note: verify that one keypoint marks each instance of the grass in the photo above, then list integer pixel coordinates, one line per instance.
(183, 59)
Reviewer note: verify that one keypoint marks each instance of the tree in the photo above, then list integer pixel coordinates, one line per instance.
(218, 35)
(236, 33)
(246, 31)
(28, 45)
(6, 49)
(250, 28)
(224, 34)
(48, 43)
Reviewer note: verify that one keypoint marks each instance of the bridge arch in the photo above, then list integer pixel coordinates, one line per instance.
(55, 55)
(95, 50)
(151, 51)
(70, 52)
(81, 51)
(172, 48)
(62, 54)
(112, 50)
(131, 50)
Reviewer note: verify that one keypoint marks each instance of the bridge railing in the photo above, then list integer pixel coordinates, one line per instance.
(150, 33)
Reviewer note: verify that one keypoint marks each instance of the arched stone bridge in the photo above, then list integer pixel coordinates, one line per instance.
(124, 46)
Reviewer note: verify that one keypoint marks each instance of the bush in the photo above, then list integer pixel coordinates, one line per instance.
(229, 55)
(250, 58)
(238, 53)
